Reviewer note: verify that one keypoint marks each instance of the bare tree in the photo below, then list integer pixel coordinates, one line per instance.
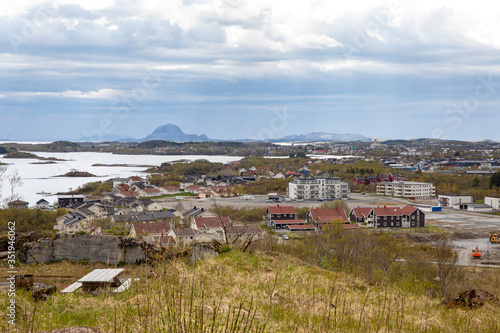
(447, 273)
(14, 182)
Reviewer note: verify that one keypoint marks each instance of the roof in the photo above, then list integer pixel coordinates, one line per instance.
(407, 210)
(281, 210)
(289, 221)
(476, 205)
(41, 201)
(301, 227)
(387, 211)
(151, 228)
(151, 190)
(185, 232)
(170, 188)
(328, 215)
(212, 222)
(361, 211)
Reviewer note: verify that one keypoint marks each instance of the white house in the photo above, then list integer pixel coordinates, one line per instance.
(454, 200)
(494, 202)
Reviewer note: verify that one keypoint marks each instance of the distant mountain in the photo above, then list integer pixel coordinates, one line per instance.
(102, 138)
(170, 132)
(322, 136)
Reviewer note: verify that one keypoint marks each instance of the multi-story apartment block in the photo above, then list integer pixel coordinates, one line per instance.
(317, 188)
(406, 189)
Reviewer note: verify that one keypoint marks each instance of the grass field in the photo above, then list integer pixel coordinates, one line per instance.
(241, 292)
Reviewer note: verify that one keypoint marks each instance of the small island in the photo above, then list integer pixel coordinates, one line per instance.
(75, 173)
(20, 154)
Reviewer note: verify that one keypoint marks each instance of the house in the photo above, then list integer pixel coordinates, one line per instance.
(199, 212)
(494, 202)
(395, 217)
(156, 229)
(149, 192)
(359, 214)
(454, 200)
(280, 213)
(395, 177)
(187, 236)
(120, 181)
(69, 200)
(320, 217)
(18, 204)
(205, 195)
(195, 189)
(185, 183)
(383, 178)
(169, 189)
(210, 225)
(359, 180)
(371, 179)
(43, 205)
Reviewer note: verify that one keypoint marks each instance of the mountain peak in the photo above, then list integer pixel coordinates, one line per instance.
(171, 132)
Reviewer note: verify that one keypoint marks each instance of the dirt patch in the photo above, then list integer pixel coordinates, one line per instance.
(473, 298)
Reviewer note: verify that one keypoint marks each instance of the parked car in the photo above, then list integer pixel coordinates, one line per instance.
(363, 193)
(285, 237)
(299, 200)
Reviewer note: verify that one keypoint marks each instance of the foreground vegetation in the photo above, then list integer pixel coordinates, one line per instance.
(275, 288)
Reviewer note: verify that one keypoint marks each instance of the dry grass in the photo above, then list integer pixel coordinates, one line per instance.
(241, 292)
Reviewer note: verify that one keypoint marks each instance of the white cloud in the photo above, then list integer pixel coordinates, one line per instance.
(106, 94)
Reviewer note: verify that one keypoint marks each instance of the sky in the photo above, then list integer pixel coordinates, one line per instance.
(259, 69)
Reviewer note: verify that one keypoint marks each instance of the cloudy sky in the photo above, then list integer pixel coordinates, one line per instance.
(249, 69)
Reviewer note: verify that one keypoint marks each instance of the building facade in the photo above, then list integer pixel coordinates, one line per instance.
(406, 189)
(317, 188)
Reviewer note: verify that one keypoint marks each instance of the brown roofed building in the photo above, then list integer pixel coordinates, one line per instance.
(319, 217)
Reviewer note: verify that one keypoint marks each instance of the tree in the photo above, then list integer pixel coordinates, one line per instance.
(495, 180)
(475, 182)
(447, 273)
(14, 181)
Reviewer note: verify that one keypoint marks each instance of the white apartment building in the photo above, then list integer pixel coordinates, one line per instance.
(317, 188)
(406, 189)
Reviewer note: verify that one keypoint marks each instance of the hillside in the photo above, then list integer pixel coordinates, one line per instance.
(240, 292)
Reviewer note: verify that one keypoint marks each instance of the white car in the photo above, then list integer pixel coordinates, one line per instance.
(285, 237)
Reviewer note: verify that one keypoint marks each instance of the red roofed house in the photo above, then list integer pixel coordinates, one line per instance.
(359, 215)
(210, 225)
(280, 213)
(320, 217)
(149, 192)
(194, 189)
(136, 179)
(395, 217)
